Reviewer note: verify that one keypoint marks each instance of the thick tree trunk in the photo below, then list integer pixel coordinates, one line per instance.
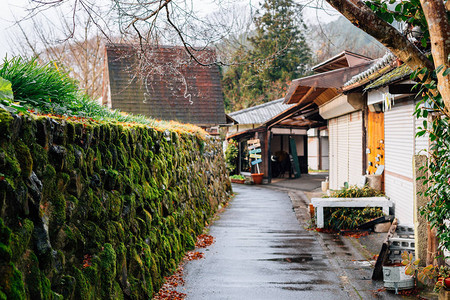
(364, 18)
(439, 28)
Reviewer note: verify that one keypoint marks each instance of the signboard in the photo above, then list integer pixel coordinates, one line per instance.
(255, 151)
(254, 148)
(257, 161)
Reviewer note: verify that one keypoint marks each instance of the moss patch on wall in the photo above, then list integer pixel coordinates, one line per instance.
(98, 211)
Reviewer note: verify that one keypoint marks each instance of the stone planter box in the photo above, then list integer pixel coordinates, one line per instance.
(320, 203)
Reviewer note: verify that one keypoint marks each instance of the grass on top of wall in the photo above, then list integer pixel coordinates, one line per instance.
(47, 89)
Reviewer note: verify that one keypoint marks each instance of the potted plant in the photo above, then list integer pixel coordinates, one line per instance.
(437, 276)
(257, 178)
(237, 179)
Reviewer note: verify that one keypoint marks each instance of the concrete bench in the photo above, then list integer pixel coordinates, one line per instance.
(320, 203)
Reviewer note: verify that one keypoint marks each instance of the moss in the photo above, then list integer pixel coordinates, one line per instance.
(83, 288)
(189, 242)
(108, 271)
(20, 240)
(9, 165)
(96, 209)
(40, 158)
(93, 235)
(5, 122)
(70, 158)
(58, 212)
(5, 252)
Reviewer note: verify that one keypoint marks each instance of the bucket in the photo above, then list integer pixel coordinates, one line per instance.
(374, 181)
(395, 278)
(257, 178)
(325, 186)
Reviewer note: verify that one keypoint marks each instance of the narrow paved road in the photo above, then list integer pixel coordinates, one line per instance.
(261, 252)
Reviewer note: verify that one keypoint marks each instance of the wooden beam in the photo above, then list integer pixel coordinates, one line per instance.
(310, 91)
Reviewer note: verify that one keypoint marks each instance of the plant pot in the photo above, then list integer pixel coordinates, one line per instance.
(257, 178)
(233, 180)
(447, 283)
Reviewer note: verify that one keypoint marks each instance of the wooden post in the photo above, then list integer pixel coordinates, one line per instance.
(383, 256)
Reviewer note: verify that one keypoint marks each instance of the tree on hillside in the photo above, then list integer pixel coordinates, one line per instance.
(330, 39)
(278, 53)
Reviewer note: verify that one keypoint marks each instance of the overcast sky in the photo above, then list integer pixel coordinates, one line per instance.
(13, 10)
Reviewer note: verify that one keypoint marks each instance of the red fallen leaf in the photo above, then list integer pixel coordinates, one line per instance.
(193, 255)
(204, 240)
(2, 178)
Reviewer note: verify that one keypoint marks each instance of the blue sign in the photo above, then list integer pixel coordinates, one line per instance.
(255, 151)
(257, 161)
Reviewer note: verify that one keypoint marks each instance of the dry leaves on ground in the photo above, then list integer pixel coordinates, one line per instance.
(204, 240)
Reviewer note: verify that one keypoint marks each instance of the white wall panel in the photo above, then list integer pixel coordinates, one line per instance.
(399, 131)
(333, 141)
(355, 149)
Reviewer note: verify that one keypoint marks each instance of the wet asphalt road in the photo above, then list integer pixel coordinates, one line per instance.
(261, 252)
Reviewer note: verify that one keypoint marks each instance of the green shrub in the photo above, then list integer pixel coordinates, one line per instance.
(231, 155)
(44, 87)
(241, 177)
(355, 192)
(337, 218)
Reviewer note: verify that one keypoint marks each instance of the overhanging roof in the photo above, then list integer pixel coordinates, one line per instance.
(342, 60)
(322, 87)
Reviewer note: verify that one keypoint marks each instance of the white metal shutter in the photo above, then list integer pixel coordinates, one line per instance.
(342, 150)
(345, 137)
(333, 141)
(399, 134)
(355, 147)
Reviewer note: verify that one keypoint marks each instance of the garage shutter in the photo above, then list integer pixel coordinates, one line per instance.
(345, 136)
(399, 134)
(333, 139)
(355, 138)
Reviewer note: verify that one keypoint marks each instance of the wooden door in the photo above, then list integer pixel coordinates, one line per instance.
(375, 141)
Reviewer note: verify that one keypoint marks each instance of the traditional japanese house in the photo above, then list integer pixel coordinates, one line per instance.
(164, 83)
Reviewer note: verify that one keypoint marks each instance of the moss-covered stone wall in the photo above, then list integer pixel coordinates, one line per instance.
(90, 211)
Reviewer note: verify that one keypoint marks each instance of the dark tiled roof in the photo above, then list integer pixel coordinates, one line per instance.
(260, 113)
(165, 83)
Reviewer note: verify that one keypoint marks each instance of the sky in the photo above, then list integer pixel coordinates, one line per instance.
(13, 10)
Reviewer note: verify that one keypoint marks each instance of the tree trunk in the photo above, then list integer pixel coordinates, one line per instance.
(364, 18)
(439, 28)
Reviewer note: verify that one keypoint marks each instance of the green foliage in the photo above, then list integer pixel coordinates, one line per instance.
(48, 89)
(409, 12)
(231, 156)
(437, 210)
(337, 218)
(44, 87)
(355, 192)
(121, 205)
(241, 177)
(430, 275)
(7, 97)
(278, 54)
